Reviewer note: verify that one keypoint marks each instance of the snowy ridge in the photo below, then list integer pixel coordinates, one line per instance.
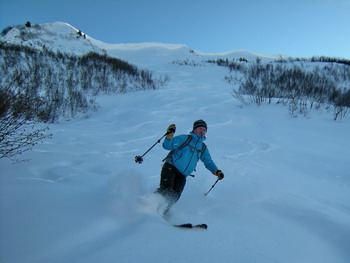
(135, 46)
(81, 198)
(63, 37)
(236, 54)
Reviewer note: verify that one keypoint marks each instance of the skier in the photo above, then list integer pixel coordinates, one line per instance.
(185, 152)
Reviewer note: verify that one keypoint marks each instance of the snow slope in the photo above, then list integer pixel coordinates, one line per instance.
(82, 198)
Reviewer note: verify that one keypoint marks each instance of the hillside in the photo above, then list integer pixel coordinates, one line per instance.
(65, 69)
(82, 198)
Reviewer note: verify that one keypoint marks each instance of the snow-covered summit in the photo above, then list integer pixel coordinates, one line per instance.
(58, 36)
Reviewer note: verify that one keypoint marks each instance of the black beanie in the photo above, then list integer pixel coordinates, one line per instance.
(199, 123)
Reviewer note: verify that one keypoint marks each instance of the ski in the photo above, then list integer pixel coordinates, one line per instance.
(200, 226)
(190, 226)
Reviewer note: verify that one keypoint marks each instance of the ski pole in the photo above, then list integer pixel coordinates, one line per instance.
(139, 159)
(212, 187)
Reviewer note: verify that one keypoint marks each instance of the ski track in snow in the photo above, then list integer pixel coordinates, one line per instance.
(82, 198)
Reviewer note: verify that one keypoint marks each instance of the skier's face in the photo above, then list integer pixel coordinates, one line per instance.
(200, 131)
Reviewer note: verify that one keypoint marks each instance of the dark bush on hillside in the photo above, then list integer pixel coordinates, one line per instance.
(67, 84)
(6, 30)
(19, 132)
(300, 86)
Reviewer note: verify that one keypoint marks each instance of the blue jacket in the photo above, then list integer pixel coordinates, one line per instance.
(185, 160)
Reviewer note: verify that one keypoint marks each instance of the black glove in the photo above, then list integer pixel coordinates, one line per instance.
(219, 174)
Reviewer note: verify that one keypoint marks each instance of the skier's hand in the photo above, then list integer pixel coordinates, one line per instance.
(170, 131)
(219, 174)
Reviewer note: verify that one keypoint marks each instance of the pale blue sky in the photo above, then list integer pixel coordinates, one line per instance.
(300, 28)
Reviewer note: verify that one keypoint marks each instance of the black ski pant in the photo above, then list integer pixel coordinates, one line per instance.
(171, 185)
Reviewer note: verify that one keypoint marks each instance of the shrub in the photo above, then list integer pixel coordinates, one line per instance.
(300, 86)
(19, 132)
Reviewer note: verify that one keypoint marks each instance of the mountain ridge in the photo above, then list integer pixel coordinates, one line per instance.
(63, 37)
